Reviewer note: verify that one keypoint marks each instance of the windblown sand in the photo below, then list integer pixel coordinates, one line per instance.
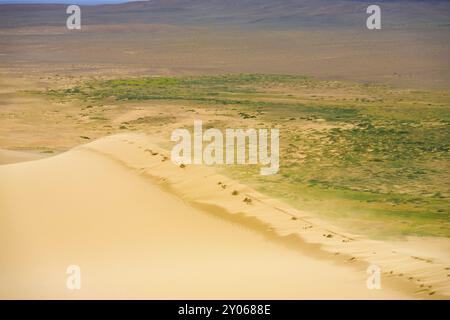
(138, 228)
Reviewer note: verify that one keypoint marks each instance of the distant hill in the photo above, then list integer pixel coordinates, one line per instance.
(249, 13)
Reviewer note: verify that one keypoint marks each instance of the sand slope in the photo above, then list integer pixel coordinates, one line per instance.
(141, 227)
(11, 156)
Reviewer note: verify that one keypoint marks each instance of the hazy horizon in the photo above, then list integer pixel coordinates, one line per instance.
(84, 2)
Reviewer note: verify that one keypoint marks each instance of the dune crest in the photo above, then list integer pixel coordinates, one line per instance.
(204, 188)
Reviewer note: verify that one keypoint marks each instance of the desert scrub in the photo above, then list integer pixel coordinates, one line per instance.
(370, 152)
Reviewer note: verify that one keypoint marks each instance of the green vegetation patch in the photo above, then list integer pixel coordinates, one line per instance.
(373, 158)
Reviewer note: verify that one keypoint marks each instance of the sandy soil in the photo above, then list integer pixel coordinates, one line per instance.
(138, 228)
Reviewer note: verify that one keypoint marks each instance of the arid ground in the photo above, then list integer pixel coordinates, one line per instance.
(364, 118)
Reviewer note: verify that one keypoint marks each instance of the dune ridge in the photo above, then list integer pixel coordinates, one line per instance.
(204, 188)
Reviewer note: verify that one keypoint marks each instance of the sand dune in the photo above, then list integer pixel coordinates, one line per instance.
(140, 227)
(11, 156)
